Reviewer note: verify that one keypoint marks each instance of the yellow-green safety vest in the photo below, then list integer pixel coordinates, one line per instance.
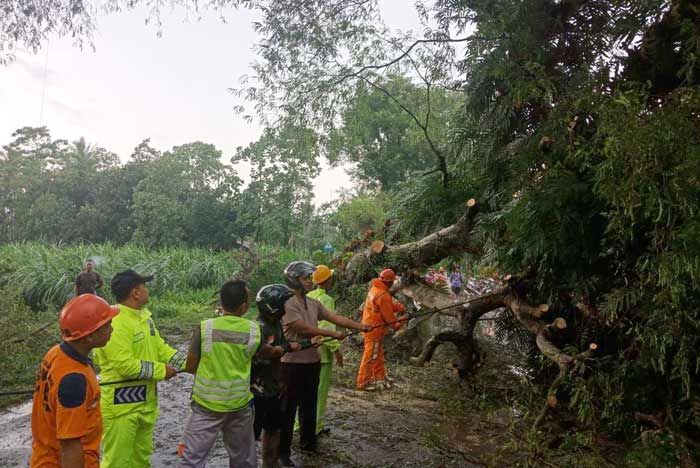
(137, 353)
(327, 349)
(222, 382)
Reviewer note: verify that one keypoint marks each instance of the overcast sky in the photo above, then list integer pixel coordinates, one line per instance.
(135, 85)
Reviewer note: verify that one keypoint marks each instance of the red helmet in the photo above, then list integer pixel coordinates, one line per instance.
(83, 315)
(387, 275)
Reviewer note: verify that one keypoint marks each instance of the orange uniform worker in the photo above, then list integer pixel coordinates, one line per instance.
(66, 419)
(380, 309)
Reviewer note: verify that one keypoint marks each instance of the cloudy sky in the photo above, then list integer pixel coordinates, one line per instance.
(135, 85)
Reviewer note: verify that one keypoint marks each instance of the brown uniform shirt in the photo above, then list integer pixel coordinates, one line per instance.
(88, 282)
(309, 311)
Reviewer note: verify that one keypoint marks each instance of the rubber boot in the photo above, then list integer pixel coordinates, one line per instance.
(270, 448)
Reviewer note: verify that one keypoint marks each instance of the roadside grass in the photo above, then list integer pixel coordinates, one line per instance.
(26, 335)
(24, 338)
(37, 279)
(45, 273)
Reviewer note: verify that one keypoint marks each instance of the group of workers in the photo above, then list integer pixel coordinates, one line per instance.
(252, 377)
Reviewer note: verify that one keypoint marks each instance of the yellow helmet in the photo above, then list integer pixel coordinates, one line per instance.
(321, 274)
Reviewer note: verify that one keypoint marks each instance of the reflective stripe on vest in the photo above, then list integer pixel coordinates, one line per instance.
(222, 382)
(220, 390)
(253, 339)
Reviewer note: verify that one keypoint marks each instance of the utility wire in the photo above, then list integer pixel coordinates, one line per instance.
(43, 85)
(102, 384)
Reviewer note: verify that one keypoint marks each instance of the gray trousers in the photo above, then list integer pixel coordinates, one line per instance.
(202, 429)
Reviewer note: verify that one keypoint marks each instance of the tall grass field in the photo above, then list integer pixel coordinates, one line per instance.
(45, 274)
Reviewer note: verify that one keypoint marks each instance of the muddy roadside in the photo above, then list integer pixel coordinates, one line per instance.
(410, 426)
(427, 420)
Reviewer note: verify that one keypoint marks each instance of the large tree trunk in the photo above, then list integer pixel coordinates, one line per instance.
(532, 318)
(431, 249)
(469, 356)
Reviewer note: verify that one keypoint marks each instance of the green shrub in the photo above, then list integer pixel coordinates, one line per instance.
(25, 336)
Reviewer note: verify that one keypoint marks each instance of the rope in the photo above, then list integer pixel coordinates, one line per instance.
(102, 384)
(404, 319)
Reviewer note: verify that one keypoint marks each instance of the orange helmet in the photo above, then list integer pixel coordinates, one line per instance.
(387, 275)
(83, 315)
(321, 274)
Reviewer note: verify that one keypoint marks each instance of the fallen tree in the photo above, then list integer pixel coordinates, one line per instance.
(581, 133)
(511, 295)
(535, 319)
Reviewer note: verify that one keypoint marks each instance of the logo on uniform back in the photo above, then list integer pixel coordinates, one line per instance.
(134, 394)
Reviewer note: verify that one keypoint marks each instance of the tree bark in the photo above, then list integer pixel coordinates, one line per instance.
(469, 356)
(405, 257)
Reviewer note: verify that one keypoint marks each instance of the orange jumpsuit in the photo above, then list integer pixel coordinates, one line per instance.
(379, 309)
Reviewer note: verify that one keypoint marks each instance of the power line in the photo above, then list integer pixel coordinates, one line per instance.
(43, 90)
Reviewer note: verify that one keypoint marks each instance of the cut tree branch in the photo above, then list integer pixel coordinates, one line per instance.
(424, 252)
(469, 357)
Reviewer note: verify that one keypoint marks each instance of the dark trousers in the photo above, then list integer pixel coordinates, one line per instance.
(268, 414)
(299, 390)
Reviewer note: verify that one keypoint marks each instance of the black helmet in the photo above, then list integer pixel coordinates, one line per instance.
(296, 270)
(270, 300)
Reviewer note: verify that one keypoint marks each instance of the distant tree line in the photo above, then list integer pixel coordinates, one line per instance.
(61, 191)
(58, 191)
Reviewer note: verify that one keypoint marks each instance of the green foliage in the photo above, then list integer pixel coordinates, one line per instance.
(359, 214)
(272, 261)
(184, 304)
(597, 193)
(24, 338)
(420, 205)
(660, 448)
(381, 140)
(37, 279)
(59, 192)
(578, 136)
(348, 300)
(46, 273)
(276, 206)
(577, 131)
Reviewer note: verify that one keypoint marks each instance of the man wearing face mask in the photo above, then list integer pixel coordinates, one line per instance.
(135, 352)
(300, 370)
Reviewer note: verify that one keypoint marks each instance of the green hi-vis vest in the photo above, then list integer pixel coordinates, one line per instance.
(222, 382)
